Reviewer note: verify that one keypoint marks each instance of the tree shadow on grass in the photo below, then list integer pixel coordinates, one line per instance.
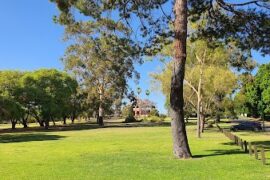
(219, 152)
(86, 126)
(265, 144)
(16, 138)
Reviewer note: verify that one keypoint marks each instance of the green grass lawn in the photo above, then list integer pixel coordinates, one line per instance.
(122, 153)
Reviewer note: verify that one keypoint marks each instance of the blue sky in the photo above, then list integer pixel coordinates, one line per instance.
(29, 40)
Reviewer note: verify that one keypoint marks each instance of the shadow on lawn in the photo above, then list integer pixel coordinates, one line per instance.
(15, 138)
(265, 144)
(86, 126)
(219, 152)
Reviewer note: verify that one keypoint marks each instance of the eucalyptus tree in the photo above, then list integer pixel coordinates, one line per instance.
(101, 55)
(208, 74)
(224, 20)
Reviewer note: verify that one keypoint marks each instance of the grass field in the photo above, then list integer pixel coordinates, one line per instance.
(122, 153)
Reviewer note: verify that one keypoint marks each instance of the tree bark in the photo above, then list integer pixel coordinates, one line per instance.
(199, 117)
(24, 124)
(100, 115)
(217, 117)
(202, 119)
(24, 120)
(180, 142)
(73, 117)
(100, 109)
(47, 124)
(41, 123)
(13, 124)
(199, 104)
(64, 120)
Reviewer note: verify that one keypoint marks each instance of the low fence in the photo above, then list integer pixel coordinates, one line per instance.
(247, 147)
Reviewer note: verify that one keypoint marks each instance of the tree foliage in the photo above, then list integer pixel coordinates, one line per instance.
(43, 94)
(258, 91)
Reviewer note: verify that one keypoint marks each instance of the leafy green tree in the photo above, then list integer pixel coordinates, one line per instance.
(9, 85)
(154, 112)
(258, 92)
(50, 92)
(207, 76)
(101, 60)
(223, 21)
(11, 110)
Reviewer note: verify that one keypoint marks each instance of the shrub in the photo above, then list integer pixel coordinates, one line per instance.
(154, 119)
(129, 119)
(154, 112)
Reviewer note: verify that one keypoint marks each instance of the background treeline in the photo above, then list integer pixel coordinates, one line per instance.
(44, 95)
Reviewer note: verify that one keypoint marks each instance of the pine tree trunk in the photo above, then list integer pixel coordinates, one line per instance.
(180, 142)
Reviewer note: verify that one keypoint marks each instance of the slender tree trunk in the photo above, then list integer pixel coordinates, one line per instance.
(13, 124)
(100, 115)
(65, 120)
(199, 116)
(47, 123)
(217, 117)
(100, 109)
(199, 103)
(218, 100)
(72, 119)
(202, 119)
(24, 122)
(180, 142)
(41, 123)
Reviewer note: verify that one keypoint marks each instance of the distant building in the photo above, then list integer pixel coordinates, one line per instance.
(143, 107)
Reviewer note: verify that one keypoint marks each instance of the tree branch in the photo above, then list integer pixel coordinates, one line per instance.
(191, 86)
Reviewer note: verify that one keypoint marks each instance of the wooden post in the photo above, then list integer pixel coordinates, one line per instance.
(231, 136)
(245, 146)
(263, 156)
(250, 148)
(241, 143)
(238, 141)
(255, 152)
